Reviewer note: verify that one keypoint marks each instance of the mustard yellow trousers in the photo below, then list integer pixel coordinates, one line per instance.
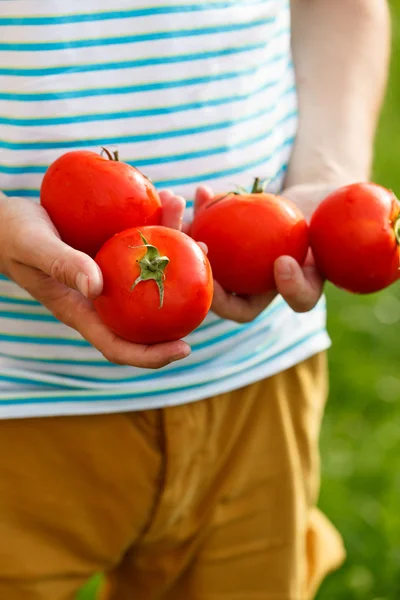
(213, 500)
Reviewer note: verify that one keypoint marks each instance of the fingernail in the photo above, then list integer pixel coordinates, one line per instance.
(82, 284)
(284, 269)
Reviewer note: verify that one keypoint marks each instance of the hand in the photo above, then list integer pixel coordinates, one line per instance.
(66, 281)
(301, 287)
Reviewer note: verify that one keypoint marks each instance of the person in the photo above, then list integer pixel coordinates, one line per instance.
(187, 469)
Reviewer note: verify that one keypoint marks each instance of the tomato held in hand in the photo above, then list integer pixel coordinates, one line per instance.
(89, 198)
(158, 285)
(245, 233)
(355, 235)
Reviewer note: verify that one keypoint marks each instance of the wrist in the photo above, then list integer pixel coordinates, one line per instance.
(329, 164)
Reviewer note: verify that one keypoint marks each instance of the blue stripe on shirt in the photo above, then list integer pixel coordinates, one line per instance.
(133, 89)
(153, 161)
(166, 183)
(31, 193)
(154, 36)
(137, 63)
(140, 137)
(140, 113)
(74, 342)
(96, 396)
(124, 14)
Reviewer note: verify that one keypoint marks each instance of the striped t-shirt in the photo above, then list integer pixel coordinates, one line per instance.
(189, 91)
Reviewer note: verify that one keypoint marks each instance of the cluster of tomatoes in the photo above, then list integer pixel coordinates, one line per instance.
(158, 282)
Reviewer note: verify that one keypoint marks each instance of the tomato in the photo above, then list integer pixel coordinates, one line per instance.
(245, 234)
(89, 198)
(158, 284)
(354, 235)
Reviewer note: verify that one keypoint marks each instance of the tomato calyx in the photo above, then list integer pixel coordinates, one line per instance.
(396, 229)
(152, 266)
(395, 222)
(259, 186)
(114, 156)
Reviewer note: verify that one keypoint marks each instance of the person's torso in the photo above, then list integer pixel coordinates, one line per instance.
(190, 93)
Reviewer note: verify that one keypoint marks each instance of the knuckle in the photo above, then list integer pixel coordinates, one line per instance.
(59, 270)
(65, 267)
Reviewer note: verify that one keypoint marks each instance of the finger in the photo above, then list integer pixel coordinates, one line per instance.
(203, 194)
(120, 351)
(37, 245)
(260, 302)
(173, 209)
(186, 227)
(235, 308)
(77, 312)
(203, 246)
(300, 287)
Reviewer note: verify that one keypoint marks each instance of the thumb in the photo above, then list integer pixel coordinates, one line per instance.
(42, 249)
(300, 287)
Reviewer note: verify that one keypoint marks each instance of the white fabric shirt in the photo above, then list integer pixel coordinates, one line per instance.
(190, 92)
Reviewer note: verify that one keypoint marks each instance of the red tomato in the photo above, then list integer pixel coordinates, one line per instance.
(90, 198)
(245, 234)
(354, 235)
(158, 284)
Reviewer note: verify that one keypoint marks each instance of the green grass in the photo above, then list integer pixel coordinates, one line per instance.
(89, 593)
(361, 432)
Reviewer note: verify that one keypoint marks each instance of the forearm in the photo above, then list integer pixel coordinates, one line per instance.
(340, 53)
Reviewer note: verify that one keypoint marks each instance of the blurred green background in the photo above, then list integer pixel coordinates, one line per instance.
(361, 431)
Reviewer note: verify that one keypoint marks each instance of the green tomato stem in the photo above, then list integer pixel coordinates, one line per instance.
(396, 228)
(152, 266)
(114, 156)
(259, 185)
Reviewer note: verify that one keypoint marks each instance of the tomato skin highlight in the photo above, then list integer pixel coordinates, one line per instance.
(135, 314)
(89, 198)
(353, 238)
(245, 234)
